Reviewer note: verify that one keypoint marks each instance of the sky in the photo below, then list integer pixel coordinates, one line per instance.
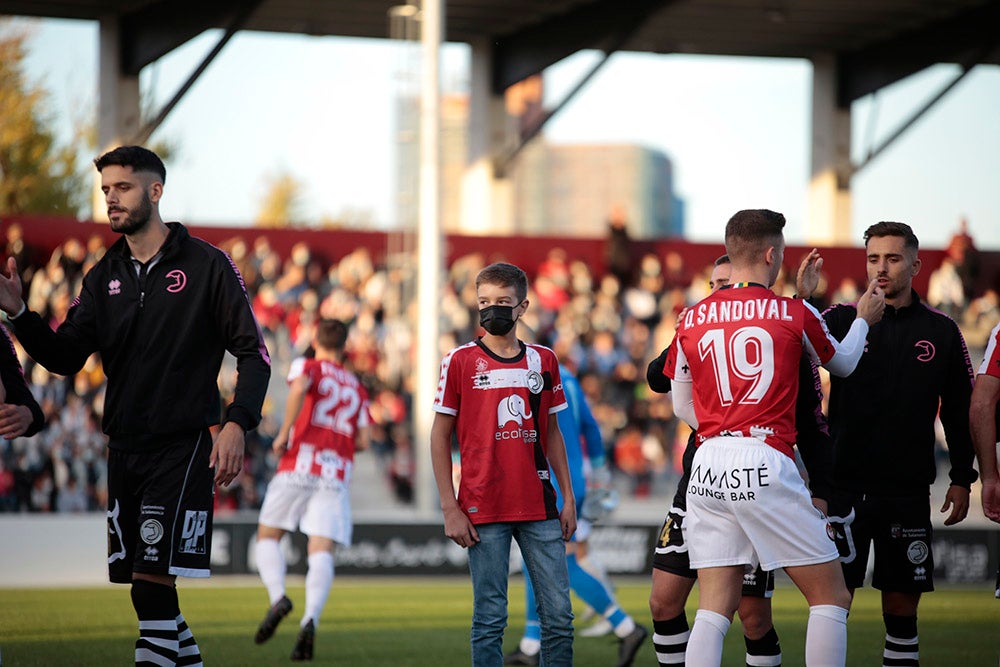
(735, 129)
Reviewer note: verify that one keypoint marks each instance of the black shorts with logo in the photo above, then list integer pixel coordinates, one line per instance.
(670, 554)
(160, 509)
(899, 527)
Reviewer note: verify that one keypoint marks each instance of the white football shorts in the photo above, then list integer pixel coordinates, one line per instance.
(747, 505)
(310, 504)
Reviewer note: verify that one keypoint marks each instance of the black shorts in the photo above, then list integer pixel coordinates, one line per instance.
(899, 527)
(160, 510)
(670, 554)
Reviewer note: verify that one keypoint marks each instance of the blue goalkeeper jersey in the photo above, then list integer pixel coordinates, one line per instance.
(579, 430)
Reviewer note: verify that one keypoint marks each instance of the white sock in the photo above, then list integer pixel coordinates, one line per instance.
(271, 567)
(705, 643)
(826, 636)
(530, 646)
(319, 579)
(625, 627)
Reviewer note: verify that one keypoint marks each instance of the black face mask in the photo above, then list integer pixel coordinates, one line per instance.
(498, 320)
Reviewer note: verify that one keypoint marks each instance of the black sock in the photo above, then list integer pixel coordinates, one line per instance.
(670, 640)
(156, 607)
(764, 652)
(902, 649)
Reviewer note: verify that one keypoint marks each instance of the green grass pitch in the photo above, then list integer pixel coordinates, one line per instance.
(425, 621)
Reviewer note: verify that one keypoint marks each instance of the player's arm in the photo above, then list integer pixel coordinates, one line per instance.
(457, 526)
(841, 358)
(814, 442)
(683, 397)
(590, 431)
(956, 394)
(297, 390)
(65, 350)
(678, 373)
(556, 448)
(20, 413)
(362, 438)
(982, 423)
(243, 339)
(655, 377)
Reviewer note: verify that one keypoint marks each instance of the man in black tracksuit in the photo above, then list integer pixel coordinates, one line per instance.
(882, 420)
(161, 308)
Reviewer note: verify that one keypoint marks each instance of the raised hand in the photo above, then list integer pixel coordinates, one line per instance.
(807, 279)
(10, 288)
(871, 305)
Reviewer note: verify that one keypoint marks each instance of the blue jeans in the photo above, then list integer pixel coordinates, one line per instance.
(544, 554)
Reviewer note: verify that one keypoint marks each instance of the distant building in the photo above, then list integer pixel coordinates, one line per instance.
(561, 190)
(571, 189)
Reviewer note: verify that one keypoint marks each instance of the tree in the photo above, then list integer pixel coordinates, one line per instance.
(36, 174)
(281, 205)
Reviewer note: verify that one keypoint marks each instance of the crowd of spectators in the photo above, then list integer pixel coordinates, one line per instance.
(605, 328)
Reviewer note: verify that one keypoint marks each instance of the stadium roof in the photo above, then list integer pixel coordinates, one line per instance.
(876, 42)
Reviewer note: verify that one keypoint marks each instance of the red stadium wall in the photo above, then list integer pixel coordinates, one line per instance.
(46, 233)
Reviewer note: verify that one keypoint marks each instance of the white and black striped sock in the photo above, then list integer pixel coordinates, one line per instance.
(670, 640)
(156, 607)
(902, 646)
(188, 654)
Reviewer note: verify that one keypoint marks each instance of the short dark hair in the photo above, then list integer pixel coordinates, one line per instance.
(721, 259)
(137, 157)
(752, 231)
(505, 275)
(331, 334)
(887, 228)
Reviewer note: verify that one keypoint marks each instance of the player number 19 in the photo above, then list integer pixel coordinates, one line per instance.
(748, 357)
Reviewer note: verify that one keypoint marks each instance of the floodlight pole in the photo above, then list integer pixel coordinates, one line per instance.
(429, 244)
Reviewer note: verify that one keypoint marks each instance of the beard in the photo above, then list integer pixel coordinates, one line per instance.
(135, 220)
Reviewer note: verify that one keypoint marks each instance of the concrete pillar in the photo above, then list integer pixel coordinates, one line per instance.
(829, 220)
(118, 110)
(487, 201)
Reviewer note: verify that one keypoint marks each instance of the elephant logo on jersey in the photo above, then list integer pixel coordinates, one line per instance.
(180, 281)
(115, 533)
(512, 409)
(926, 350)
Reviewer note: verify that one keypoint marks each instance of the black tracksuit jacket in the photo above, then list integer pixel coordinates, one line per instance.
(161, 334)
(882, 415)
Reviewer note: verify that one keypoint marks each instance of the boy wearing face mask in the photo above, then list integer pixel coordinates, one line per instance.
(499, 395)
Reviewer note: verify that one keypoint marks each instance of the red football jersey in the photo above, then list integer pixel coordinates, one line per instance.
(741, 349)
(502, 409)
(322, 439)
(991, 361)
